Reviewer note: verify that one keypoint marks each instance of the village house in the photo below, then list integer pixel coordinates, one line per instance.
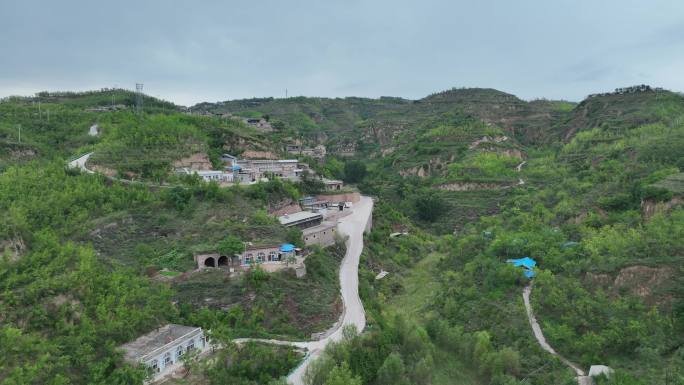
(302, 219)
(333, 185)
(317, 152)
(266, 254)
(293, 148)
(260, 124)
(250, 256)
(161, 350)
(322, 235)
(296, 148)
(314, 205)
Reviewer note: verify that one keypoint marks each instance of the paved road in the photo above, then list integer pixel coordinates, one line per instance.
(582, 379)
(81, 162)
(354, 314)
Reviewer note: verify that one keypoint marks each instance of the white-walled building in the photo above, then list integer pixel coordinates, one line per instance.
(210, 175)
(162, 349)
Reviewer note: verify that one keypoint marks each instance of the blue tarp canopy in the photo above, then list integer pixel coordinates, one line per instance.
(525, 262)
(529, 273)
(287, 248)
(235, 168)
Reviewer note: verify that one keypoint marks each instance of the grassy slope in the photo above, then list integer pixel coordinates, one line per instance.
(419, 285)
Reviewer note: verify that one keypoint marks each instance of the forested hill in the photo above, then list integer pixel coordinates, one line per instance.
(463, 180)
(598, 203)
(126, 143)
(367, 126)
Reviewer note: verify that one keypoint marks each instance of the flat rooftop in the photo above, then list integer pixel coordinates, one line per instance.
(323, 226)
(148, 343)
(298, 217)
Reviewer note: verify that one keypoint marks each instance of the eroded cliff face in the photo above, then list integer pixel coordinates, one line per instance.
(648, 283)
(649, 207)
(470, 186)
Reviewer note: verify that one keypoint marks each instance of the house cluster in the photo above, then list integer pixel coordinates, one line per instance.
(243, 170)
(296, 148)
(628, 90)
(162, 350)
(318, 222)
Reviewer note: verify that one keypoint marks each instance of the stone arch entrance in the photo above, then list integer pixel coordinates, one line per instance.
(223, 261)
(210, 262)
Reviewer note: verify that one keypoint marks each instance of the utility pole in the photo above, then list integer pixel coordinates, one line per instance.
(286, 93)
(138, 97)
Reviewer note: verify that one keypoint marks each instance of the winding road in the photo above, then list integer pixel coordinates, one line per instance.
(352, 226)
(582, 378)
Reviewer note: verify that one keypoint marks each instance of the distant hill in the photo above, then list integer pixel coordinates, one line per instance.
(364, 126)
(616, 111)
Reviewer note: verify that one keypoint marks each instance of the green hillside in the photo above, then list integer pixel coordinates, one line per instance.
(600, 210)
(89, 263)
(462, 179)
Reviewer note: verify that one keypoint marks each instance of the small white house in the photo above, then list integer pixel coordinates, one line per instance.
(162, 350)
(600, 370)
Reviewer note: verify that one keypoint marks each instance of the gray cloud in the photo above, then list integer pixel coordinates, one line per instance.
(215, 50)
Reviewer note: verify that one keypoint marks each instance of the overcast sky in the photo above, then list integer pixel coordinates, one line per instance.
(194, 51)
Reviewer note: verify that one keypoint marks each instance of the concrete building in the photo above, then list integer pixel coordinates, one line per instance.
(261, 254)
(322, 235)
(250, 256)
(255, 169)
(161, 350)
(217, 260)
(302, 219)
(209, 175)
(229, 160)
(332, 184)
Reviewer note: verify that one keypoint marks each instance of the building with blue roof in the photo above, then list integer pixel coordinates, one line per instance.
(528, 264)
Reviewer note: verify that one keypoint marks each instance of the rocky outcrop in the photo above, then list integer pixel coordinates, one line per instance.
(488, 139)
(198, 161)
(253, 154)
(649, 207)
(645, 282)
(103, 170)
(420, 171)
